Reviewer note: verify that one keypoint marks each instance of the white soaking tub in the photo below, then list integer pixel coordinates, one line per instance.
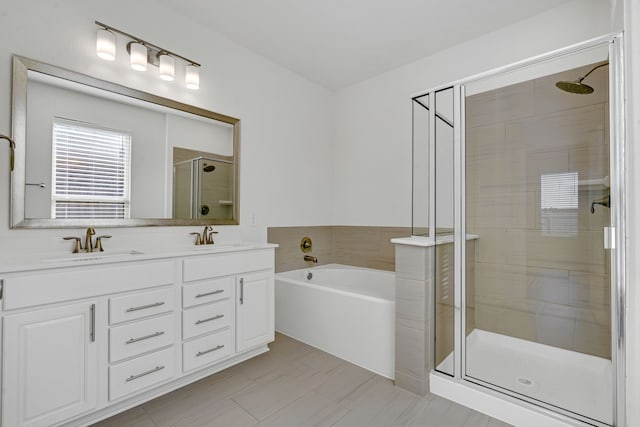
(346, 311)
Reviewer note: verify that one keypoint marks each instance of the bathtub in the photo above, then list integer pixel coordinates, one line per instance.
(346, 311)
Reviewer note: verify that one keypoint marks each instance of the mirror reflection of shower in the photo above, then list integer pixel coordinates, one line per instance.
(202, 187)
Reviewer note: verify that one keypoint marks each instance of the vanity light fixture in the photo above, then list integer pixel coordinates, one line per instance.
(143, 53)
(106, 44)
(192, 77)
(167, 67)
(137, 56)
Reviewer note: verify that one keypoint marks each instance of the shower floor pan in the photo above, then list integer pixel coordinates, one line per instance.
(567, 379)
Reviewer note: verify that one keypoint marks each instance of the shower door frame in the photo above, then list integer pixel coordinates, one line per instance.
(617, 236)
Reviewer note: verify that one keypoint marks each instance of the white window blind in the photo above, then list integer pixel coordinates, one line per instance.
(91, 169)
(559, 204)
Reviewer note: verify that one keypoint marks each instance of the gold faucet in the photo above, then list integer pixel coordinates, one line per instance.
(88, 240)
(207, 236)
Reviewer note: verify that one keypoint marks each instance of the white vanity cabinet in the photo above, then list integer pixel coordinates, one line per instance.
(254, 310)
(50, 360)
(84, 342)
(228, 304)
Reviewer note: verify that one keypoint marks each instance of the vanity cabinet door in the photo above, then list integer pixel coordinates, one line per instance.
(50, 365)
(254, 310)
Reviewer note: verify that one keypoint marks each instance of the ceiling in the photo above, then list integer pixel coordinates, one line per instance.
(336, 43)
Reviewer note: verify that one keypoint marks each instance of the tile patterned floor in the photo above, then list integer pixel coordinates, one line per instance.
(297, 385)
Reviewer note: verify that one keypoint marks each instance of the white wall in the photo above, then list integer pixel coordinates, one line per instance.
(286, 122)
(372, 179)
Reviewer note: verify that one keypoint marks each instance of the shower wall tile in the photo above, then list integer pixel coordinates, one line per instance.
(536, 281)
(594, 339)
(514, 101)
(589, 290)
(289, 256)
(532, 247)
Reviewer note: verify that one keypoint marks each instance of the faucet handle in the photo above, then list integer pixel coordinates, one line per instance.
(99, 247)
(210, 237)
(198, 238)
(77, 246)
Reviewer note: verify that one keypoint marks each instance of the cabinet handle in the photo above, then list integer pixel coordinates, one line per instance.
(202, 353)
(206, 294)
(219, 316)
(146, 337)
(150, 371)
(142, 307)
(92, 319)
(242, 290)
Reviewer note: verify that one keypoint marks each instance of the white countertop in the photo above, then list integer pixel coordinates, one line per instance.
(428, 241)
(60, 260)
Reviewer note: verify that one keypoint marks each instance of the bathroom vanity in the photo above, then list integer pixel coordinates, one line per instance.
(86, 336)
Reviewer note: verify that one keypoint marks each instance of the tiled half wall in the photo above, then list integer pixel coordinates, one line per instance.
(359, 246)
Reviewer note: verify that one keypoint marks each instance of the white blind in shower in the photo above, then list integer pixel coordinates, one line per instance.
(91, 171)
(559, 204)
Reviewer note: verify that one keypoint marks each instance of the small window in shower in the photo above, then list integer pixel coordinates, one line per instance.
(559, 204)
(91, 171)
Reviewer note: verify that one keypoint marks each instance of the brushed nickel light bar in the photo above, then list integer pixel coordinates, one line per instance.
(142, 52)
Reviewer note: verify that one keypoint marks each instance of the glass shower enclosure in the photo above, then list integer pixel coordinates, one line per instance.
(203, 189)
(518, 178)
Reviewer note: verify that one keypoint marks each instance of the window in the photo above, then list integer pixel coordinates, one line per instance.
(559, 204)
(91, 168)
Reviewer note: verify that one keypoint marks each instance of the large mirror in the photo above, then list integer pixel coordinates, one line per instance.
(94, 153)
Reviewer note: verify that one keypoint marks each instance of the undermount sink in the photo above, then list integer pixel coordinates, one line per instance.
(216, 246)
(92, 256)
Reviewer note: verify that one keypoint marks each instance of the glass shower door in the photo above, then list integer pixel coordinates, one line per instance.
(537, 197)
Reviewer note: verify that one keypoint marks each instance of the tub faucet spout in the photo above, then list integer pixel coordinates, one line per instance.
(311, 258)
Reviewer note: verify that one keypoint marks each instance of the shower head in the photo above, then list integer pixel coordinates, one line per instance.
(209, 168)
(577, 86)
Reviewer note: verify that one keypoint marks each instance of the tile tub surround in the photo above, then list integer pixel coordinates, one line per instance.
(530, 283)
(358, 246)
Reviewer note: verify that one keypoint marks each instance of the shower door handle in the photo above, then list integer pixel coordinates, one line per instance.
(609, 237)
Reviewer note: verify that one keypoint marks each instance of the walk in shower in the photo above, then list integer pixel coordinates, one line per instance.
(203, 188)
(518, 174)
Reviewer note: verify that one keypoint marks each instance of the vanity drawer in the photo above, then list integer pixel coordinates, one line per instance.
(140, 373)
(140, 337)
(51, 286)
(209, 266)
(141, 304)
(206, 318)
(207, 291)
(206, 350)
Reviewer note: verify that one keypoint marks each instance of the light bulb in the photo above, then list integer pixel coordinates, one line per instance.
(167, 67)
(138, 56)
(192, 77)
(106, 44)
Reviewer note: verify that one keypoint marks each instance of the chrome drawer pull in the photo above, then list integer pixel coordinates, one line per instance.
(150, 371)
(219, 316)
(206, 294)
(202, 353)
(142, 307)
(146, 337)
